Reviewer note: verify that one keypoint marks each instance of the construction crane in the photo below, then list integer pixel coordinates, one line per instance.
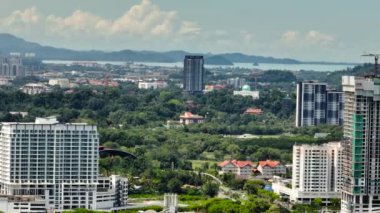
(376, 56)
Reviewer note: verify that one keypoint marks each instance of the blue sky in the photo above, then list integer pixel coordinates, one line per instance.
(339, 30)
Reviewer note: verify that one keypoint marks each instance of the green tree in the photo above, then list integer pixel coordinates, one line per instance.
(335, 202)
(174, 185)
(317, 202)
(210, 189)
(253, 186)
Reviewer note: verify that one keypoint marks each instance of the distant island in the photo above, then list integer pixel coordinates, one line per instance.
(10, 43)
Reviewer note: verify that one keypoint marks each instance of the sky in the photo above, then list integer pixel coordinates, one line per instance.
(319, 30)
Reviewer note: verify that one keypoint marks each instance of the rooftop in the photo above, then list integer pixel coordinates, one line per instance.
(269, 163)
(236, 163)
(190, 115)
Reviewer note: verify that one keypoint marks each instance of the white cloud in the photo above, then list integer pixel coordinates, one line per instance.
(312, 37)
(318, 37)
(189, 28)
(144, 19)
(290, 36)
(27, 16)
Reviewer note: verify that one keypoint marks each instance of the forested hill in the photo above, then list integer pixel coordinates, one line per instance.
(10, 43)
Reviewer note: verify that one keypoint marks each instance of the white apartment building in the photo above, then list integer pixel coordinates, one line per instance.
(317, 173)
(51, 166)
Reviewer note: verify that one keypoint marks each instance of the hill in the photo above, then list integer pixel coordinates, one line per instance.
(10, 43)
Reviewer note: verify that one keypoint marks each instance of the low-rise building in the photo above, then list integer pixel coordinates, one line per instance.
(189, 118)
(253, 111)
(270, 168)
(23, 114)
(152, 85)
(209, 88)
(112, 192)
(242, 169)
(4, 81)
(62, 82)
(246, 91)
(33, 88)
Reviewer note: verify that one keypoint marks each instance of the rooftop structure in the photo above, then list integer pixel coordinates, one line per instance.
(190, 118)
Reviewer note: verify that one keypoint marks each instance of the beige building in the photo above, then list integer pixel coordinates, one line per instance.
(242, 169)
(270, 168)
(189, 118)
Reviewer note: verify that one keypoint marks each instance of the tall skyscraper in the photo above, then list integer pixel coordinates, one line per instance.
(11, 67)
(317, 105)
(361, 145)
(193, 74)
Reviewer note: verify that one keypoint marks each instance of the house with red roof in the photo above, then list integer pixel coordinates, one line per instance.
(190, 118)
(253, 111)
(270, 168)
(242, 169)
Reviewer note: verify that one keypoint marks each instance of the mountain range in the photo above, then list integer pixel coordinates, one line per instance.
(10, 43)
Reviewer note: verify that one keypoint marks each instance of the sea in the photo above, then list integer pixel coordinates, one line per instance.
(261, 66)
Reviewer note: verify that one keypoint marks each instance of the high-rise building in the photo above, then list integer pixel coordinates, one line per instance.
(237, 82)
(11, 67)
(316, 172)
(361, 144)
(334, 109)
(193, 74)
(317, 105)
(49, 166)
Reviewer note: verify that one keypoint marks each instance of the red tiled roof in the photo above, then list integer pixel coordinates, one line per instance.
(236, 163)
(269, 163)
(255, 111)
(190, 115)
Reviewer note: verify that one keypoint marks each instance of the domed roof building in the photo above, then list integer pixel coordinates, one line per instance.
(246, 88)
(246, 91)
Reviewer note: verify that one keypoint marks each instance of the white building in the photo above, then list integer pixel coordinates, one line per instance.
(48, 165)
(317, 173)
(62, 82)
(152, 85)
(246, 91)
(33, 89)
(112, 193)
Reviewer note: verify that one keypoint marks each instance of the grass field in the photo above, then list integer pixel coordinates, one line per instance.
(199, 163)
